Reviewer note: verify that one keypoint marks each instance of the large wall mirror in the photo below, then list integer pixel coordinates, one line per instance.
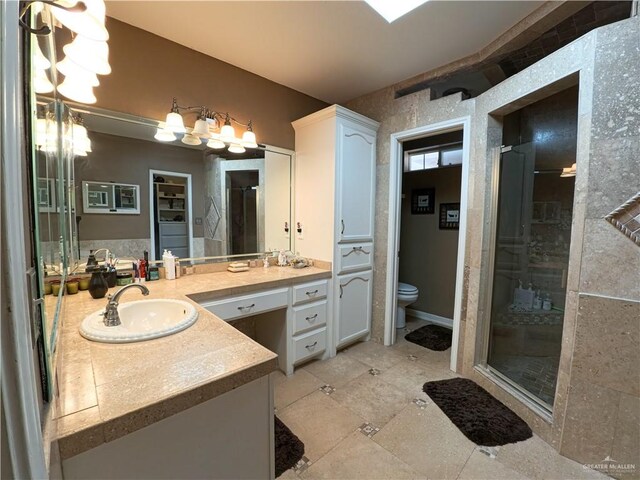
(137, 194)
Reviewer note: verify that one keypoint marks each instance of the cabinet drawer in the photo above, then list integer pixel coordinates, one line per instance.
(238, 307)
(310, 344)
(174, 241)
(309, 317)
(309, 292)
(173, 229)
(355, 257)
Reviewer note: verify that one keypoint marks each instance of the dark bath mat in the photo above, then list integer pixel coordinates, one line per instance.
(481, 417)
(433, 337)
(289, 448)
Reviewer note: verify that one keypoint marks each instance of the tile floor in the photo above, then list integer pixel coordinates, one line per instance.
(363, 415)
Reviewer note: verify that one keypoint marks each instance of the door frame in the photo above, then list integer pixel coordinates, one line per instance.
(152, 210)
(395, 191)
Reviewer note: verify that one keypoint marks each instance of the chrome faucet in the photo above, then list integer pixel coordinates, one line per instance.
(111, 317)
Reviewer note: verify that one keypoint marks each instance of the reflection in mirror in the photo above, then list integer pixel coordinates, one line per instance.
(139, 194)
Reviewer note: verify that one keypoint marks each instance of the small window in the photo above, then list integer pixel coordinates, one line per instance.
(421, 161)
(452, 157)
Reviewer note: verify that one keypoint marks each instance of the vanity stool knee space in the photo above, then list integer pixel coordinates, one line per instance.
(291, 322)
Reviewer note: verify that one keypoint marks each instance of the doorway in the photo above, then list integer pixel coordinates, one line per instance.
(170, 213)
(533, 219)
(394, 231)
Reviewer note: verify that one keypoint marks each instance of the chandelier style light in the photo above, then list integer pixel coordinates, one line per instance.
(206, 129)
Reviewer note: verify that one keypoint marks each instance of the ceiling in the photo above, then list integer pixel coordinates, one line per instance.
(331, 50)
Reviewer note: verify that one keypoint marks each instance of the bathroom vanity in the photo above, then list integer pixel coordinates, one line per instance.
(196, 404)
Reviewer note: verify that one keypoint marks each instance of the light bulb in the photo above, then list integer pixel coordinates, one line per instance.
(164, 135)
(235, 148)
(249, 139)
(89, 54)
(201, 128)
(79, 74)
(216, 144)
(41, 83)
(189, 139)
(39, 60)
(89, 23)
(77, 90)
(175, 123)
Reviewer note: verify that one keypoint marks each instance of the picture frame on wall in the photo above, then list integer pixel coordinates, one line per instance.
(449, 216)
(423, 201)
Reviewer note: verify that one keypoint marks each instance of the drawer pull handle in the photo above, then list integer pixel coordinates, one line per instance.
(312, 318)
(356, 249)
(342, 224)
(312, 293)
(248, 307)
(342, 285)
(310, 347)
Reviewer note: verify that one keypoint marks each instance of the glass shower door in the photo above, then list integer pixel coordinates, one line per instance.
(530, 270)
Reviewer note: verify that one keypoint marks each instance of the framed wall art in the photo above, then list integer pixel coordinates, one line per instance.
(423, 201)
(449, 216)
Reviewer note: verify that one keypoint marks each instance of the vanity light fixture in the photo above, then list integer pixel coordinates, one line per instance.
(569, 171)
(86, 56)
(204, 129)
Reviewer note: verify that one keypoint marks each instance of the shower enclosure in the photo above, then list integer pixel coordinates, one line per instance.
(535, 205)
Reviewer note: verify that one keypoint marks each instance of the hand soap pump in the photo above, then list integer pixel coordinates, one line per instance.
(168, 261)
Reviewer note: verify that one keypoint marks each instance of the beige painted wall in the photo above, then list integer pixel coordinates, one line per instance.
(148, 71)
(597, 403)
(128, 160)
(428, 255)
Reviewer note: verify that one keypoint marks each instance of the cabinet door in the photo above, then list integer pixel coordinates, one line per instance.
(353, 306)
(356, 176)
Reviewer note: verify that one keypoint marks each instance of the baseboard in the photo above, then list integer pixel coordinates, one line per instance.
(430, 317)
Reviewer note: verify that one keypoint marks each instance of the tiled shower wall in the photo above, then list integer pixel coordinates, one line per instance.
(597, 404)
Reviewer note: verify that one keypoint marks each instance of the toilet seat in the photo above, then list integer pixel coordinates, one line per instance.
(406, 289)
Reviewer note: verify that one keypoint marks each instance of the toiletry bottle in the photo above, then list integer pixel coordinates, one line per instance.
(168, 260)
(265, 261)
(546, 304)
(537, 302)
(146, 264)
(177, 262)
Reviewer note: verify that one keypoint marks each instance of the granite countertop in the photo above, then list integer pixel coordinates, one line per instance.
(107, 391)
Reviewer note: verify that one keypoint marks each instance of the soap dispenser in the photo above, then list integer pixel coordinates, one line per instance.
(98, 285)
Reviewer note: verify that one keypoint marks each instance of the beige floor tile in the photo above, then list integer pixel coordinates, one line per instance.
(338, 370)
(537, 459)
(411, 375)
(481, 467)
(289, 389)
(289, 475)
(320, 422)
(427, 441)
(359, 457)
(372, 399)
(374, 354)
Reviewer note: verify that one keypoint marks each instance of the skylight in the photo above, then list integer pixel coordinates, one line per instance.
(391, 10)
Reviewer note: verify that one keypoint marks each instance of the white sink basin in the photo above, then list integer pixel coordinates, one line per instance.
(141, 320)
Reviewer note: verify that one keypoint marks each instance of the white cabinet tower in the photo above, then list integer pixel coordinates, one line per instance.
(335, 178)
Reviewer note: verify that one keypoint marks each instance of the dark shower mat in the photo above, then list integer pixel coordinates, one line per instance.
(289, 448)
(481, 417)
(433, 337)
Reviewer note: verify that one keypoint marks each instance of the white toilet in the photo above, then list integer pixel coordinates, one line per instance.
(407, 294)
